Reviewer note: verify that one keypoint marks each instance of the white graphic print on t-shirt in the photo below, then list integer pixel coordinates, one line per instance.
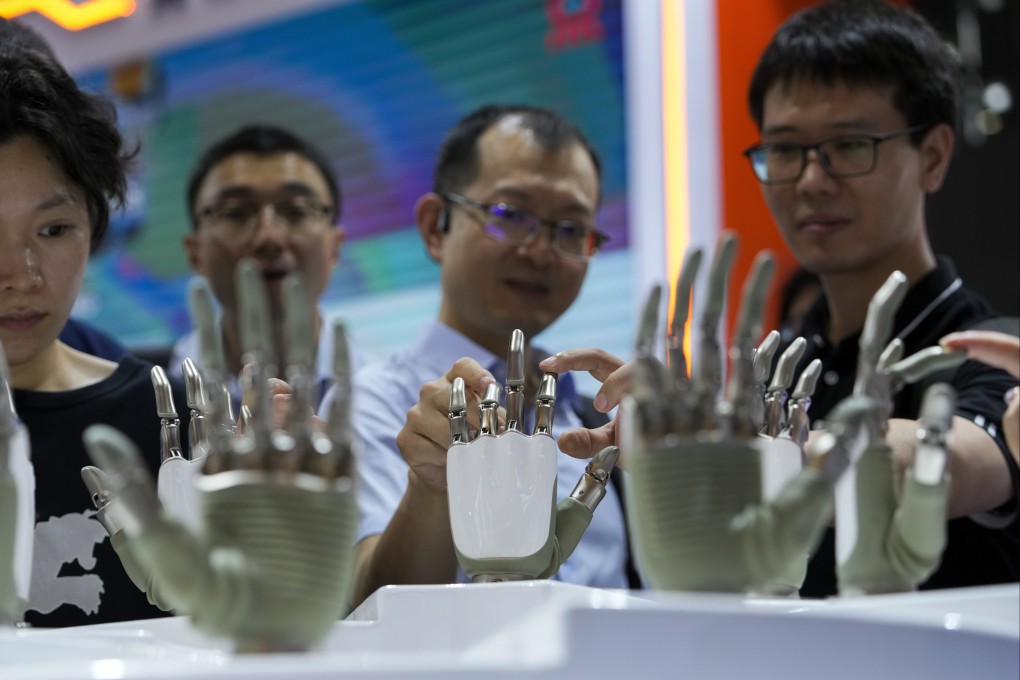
(59, 541)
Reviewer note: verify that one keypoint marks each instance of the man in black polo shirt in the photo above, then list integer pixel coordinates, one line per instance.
(856, 102)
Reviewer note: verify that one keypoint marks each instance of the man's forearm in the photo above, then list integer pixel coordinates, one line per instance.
(415, 548)
(979, 478)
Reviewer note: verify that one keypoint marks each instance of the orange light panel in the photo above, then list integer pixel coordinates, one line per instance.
(71, 16)
(675, 148)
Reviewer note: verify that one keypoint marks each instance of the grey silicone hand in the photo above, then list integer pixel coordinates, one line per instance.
(504, 518)
(888, 541)
(112, 513)
(17, 506)
(696, 510)
(269, 568)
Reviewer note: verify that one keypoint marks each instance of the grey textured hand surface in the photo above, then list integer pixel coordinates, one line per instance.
(269, 567)
(17, 505)
(695, 469)
(890, 540)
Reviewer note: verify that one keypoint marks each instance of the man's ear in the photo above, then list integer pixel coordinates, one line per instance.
(191, 249)
(427, 212)
(936, 153)
(336, 244)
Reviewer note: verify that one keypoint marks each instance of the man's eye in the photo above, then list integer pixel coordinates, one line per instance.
(294, 212)
(54, 230)
(509, 213)
(572, 231)
(237, 213)
(852, 145)
(784, 152)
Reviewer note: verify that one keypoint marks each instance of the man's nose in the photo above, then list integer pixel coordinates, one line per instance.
(269, 227)
(19, 267)
(539, 248)
(815, 177)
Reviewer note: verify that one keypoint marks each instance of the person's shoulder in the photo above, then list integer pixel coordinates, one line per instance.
(134, 391)
(981, 315)
(389, 380)
(130, 380)
(942, 303)
(590, 417)
(133, 367)
(971, 311)
(185, 347)
(395, 366)
(91, 340)
(971, 299)
(134, 374)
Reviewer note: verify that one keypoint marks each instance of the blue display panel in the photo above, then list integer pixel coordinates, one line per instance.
(376, 85)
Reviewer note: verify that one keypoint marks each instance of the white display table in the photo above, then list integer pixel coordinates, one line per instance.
(545, 629)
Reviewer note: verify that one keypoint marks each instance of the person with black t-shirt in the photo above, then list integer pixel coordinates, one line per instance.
(62, 165)
(856, 102)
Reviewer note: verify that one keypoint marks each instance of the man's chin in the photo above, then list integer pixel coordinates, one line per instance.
(530, 325)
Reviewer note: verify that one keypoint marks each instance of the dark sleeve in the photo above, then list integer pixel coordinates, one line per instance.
(586, 412)
(980, 391)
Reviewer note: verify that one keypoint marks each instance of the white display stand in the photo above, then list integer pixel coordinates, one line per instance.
(544, 629)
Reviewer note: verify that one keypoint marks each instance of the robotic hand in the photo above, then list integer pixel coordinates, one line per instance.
(698, 514)
(502, 485)
(270, 566)
(886, 543)
(776, 394)
(798, 423)
(175, 482)
(782, 456)
(762, 367)
(17, 506)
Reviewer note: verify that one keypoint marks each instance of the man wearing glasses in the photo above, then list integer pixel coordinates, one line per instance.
(266, 194)
(856, 103)
(511, 222)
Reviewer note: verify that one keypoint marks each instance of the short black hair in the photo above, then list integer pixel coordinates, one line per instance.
(14, 32)
(457, 165)
(39, 99)
(865, 42)
(261, 140)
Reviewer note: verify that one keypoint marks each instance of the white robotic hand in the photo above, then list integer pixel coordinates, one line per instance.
(502, 484)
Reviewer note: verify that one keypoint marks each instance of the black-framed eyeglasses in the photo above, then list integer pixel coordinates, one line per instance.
(240, 218)
(513, 225)
(843, 156)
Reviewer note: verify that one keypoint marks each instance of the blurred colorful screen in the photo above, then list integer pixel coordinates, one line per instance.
(376, 85)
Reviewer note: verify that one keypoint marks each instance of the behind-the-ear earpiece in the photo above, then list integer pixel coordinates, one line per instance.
(443, 221)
